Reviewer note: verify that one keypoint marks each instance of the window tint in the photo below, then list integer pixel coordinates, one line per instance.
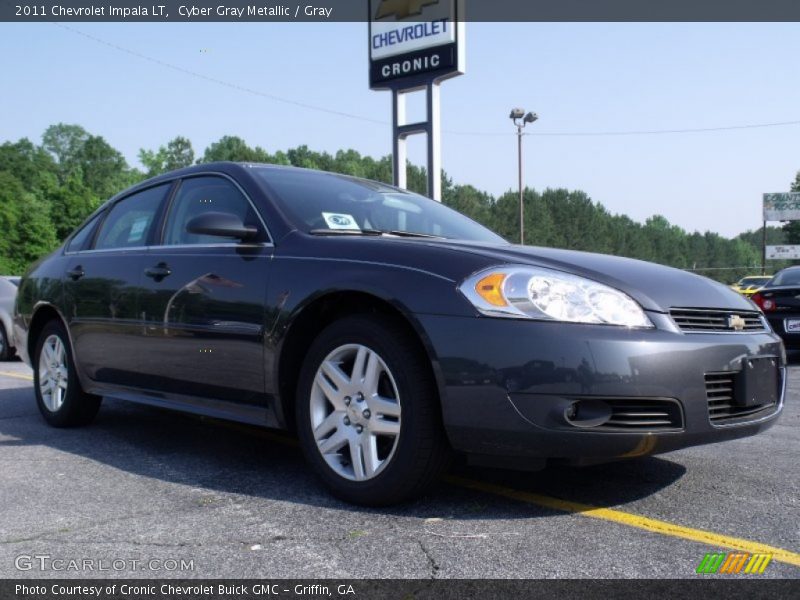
(199, 195)
(78, 242)
(130, 220)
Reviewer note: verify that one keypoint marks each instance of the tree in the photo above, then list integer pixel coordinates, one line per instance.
(233, 148)
(178, 153)
(26, 223)
(792, 228)
(77, 153)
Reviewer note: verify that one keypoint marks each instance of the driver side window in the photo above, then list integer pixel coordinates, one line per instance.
(199, 195)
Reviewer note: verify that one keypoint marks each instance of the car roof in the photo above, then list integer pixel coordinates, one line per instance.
(230, 167)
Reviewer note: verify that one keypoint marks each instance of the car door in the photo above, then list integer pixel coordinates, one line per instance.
(203, 301)
(102, 286)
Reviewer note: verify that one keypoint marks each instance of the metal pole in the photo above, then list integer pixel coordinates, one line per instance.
(399, 172)
(434, 143)
(521, 193)
(764, 249)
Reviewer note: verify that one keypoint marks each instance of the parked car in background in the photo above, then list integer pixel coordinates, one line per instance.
(8, 295)
(780, 302)
(386, 329)
(747, 286)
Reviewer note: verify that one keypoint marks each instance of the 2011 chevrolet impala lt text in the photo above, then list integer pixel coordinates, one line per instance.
(387, 329)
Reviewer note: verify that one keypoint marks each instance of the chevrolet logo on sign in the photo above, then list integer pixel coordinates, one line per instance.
(401, 8)
(736, 323)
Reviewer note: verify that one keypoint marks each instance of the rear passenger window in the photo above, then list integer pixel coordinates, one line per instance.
(130, 221)
(79, 240)
(199, 195)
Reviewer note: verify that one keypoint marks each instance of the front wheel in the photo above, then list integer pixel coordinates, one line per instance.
(368, 412)
(59, 394)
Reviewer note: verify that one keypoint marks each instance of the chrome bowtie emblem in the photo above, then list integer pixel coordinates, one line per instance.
(736, 323)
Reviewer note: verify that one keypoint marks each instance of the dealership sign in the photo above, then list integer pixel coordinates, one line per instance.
(414, 42)
(783, 252)
(784, 206)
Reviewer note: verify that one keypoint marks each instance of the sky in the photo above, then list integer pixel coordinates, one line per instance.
(579, 78)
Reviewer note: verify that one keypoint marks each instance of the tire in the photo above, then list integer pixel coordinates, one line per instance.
(62, 401)
(6, 351)
(404, 465)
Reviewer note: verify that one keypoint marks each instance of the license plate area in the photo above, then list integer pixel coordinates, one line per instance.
(791, 325)
(757, 382)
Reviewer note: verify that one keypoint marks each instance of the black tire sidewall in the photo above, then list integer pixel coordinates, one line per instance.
(5, 351)
(418, 400)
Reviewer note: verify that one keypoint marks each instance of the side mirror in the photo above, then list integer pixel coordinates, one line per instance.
(222, 225)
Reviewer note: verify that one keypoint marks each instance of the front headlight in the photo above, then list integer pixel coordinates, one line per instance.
(539, 293)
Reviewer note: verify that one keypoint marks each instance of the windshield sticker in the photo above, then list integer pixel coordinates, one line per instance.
(340, 221)
(137, 229)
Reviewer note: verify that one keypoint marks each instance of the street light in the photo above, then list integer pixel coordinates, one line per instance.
(521, 119)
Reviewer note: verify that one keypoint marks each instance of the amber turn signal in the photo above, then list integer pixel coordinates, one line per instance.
(490, 288)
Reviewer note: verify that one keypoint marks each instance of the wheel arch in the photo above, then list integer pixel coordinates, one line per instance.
(42, 314)
(317, 313)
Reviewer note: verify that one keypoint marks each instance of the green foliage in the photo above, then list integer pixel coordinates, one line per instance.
(48, 190)
(178, 153)
(792, 228)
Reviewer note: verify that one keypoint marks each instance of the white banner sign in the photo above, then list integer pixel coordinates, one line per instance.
(783, 252)
(784, 206)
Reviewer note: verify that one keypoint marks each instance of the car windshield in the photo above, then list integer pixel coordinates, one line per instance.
(787, 277)
(13, 280)
(324, 203)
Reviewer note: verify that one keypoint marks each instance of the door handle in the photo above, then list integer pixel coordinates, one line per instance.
(76, 273)
(159, 272)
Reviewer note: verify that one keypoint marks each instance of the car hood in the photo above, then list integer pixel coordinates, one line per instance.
(655, 287)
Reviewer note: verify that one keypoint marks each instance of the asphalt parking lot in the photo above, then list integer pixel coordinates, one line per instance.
(147, 487)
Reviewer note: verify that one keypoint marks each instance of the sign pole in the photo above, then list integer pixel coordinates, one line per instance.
(764, 249)
(413, 46)
(399, 153)
(434, 142)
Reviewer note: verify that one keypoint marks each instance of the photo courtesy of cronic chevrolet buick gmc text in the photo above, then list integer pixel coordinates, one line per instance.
(387, 329)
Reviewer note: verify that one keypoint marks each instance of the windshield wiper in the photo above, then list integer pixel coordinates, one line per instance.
(346, 232)
(413, 234)
(396, 232)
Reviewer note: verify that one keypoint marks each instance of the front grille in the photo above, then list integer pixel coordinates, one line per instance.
(721, 393)
(698, 320)
(641, 415)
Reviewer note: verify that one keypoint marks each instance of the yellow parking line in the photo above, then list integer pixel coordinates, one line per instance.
(708, 538)
(17, 375)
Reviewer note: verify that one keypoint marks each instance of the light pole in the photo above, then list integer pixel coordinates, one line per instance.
(521, 119)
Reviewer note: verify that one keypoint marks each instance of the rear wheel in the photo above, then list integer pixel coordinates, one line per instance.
(6, 352)
(59, 394)
(368, 413)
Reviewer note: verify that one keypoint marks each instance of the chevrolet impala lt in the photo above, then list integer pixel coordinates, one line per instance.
(386, 329)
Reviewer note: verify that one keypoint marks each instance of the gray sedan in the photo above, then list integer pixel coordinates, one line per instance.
(8, 295)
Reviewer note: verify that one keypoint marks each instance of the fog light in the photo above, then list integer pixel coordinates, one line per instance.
(587, 413)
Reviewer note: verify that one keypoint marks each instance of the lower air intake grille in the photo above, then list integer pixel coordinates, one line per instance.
(720, 391)
(643, 415)
(698, 321)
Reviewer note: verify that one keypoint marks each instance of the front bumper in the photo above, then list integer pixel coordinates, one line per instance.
(506, 384)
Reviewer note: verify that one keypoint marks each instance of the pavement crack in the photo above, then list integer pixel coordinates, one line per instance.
(434, 565)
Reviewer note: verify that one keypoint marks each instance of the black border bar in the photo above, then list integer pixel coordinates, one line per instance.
(703, 586)
(356, 10)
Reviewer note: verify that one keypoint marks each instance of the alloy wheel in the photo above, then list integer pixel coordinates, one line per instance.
(355, 412)
(53, 373)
